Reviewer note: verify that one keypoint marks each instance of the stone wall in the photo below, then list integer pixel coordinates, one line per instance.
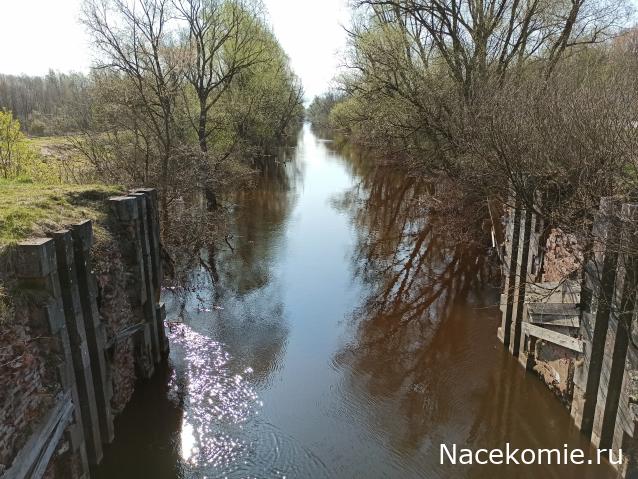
(563, 256)
(81, 322)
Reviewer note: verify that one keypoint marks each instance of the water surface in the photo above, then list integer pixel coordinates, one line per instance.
(344, 338)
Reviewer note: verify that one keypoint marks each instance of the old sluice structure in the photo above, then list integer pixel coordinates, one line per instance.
(571, 318)
(64, 307)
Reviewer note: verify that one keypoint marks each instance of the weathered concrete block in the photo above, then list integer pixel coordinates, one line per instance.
(79, 349)
(83, 234)
(124, 208)
(35, 258)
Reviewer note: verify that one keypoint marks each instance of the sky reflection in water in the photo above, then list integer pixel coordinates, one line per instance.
(344, 339)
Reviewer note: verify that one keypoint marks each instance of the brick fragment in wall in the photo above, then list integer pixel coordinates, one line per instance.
(116, 314)
(563, 256)
(28, 384)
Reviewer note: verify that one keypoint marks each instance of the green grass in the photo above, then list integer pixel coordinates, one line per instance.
(43, 141)
(33, 209)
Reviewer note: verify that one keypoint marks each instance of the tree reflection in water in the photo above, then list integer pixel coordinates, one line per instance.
(252, 323)
(425, 367)
(416, 279)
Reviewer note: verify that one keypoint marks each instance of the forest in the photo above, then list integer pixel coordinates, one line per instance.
(537, 98)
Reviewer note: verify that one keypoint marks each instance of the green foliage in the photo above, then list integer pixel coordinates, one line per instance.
(224, 99)
(319, 110)
(17, 158)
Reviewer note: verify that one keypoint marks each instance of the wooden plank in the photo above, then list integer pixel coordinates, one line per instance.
(564, 309)
(555, 314)
(64, 419)
(554, 292)
(125, 333)
(33, 458)
(569, 322)
(553, 337)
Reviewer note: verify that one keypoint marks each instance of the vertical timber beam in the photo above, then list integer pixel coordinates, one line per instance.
(600, 273)
(513, 233)
(95, 334)
(521, 281)
(36, 271)
(146, 268)
(154, 240)
(126, 212)
(79, 349)
(617, 338)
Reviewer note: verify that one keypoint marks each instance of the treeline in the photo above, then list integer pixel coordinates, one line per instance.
(44, 104)
(499, 96)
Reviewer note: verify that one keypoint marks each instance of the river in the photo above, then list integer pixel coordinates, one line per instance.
(343, 339)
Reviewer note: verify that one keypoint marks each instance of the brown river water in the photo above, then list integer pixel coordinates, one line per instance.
(344, 339)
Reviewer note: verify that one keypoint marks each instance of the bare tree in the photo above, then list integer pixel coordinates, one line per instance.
(476, 38)
(135, 39)
(223, 41)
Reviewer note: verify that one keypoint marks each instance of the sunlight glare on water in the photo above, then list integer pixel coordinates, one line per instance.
(345, 337)
(217, 401)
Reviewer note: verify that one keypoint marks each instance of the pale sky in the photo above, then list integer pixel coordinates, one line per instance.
(36, 35)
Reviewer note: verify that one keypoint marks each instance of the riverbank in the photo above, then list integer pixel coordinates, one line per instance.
(80, 276)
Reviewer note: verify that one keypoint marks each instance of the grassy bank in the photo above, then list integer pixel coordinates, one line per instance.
(32, 209)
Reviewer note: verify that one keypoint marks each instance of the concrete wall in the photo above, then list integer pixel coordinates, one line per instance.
(87, 324)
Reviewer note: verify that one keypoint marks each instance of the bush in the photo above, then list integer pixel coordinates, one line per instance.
(18, 160)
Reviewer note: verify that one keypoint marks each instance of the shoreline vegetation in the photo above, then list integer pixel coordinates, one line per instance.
(498, 100)
(191, 97)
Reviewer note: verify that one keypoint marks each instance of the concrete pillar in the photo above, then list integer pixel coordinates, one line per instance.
(618, 332)
(153, 222)
(82, 234)
(36, 271)
(79, 349)
(150, 311)
(126, 213)
(596, 299)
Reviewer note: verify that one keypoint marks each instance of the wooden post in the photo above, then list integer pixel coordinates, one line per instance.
(153, 222)
(95, 335)
(36, 271)
(79, 349)
(146, 268)
(618, 332)
(126, 213)
(599, 279)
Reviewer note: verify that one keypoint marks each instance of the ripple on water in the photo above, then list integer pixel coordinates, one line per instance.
(221, 433)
